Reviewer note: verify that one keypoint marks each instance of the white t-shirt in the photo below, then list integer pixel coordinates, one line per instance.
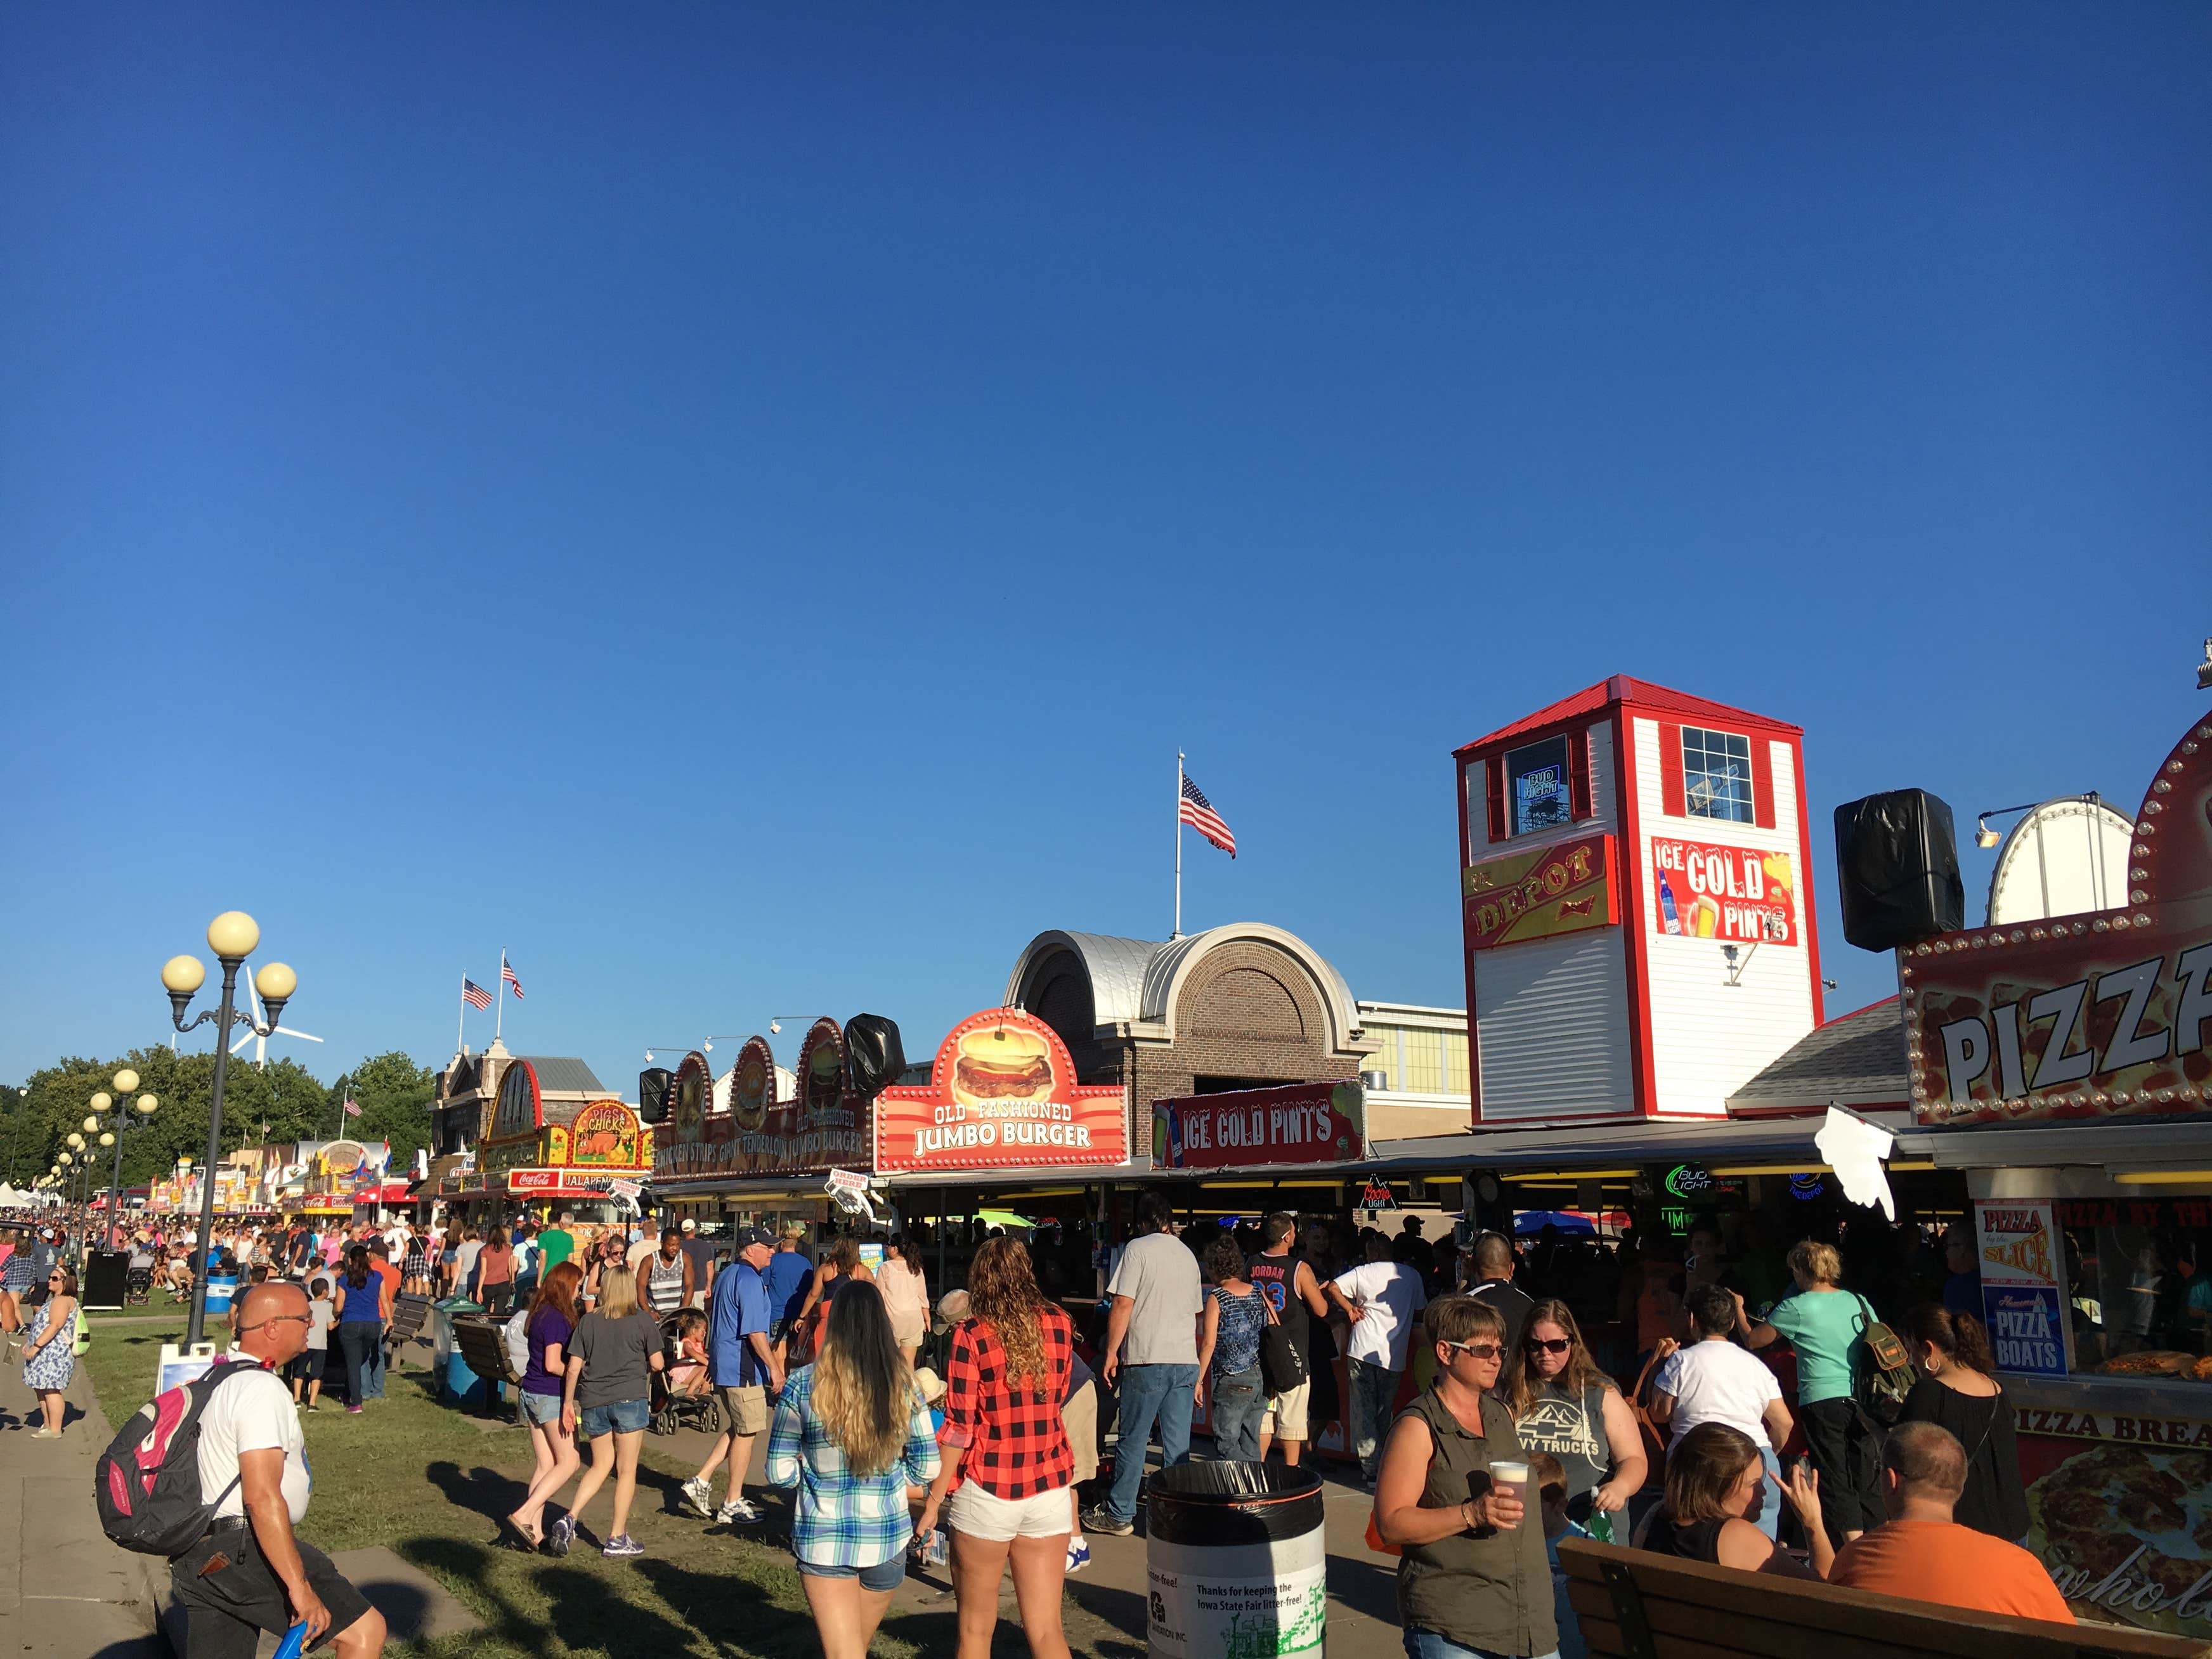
(1159, 1275)
(396, 1241)
(253, 1413)
(1716, 1383)
(1391, 1294)
(464, 1262)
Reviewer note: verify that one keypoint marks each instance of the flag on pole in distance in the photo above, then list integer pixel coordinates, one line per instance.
(1198, 812)
(507, 974)
(351, 1109)
(475, 994)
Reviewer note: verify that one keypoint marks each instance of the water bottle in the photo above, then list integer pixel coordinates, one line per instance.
(1601, 1526)
(295, 1642)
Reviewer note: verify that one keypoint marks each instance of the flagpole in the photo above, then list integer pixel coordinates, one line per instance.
(1178, 910)
(461, 1031)
(499, 1017)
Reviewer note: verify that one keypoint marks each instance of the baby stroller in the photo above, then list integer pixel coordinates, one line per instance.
(671, 1409)
(137, 1285)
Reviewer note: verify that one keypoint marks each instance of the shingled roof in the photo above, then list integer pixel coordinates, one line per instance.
(1856, 1061)
(565, 1074)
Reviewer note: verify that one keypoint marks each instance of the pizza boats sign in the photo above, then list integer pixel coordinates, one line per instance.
(2088, 1015)
(740, 1125)
(1001, 1094)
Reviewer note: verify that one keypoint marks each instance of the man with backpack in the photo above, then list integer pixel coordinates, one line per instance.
(249, 1573)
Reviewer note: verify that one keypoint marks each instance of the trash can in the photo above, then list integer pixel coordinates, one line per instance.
(219, 1293)
(1236, 1560)
(456, 1382)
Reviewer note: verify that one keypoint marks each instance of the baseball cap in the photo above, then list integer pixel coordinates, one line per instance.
(748, 1235)
(690, 1225)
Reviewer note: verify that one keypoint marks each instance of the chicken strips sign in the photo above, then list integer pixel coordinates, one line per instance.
(1001, 1095)
(2086, 1016)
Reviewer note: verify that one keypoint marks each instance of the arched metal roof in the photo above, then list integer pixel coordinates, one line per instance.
(1137, 981)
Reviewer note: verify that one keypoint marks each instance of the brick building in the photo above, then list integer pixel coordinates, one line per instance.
(1234, 1007)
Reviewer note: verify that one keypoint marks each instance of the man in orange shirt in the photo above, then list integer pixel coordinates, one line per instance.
(1920, 1553)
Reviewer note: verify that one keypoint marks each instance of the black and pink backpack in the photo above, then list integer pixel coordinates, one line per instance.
(148, 1480)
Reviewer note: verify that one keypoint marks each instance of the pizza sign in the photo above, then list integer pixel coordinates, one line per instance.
(2017, 1242)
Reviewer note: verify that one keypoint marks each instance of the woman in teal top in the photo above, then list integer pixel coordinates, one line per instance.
(1826, 1325)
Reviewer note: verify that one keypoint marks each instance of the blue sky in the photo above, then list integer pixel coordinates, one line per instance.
(742, 506)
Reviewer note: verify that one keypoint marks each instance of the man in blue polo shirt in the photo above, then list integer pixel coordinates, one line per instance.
(744, 1371)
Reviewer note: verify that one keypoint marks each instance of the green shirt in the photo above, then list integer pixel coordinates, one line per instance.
(555, 1246)
(1825, 1327)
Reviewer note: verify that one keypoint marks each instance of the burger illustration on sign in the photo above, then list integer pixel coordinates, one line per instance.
(1002, 1062)
(825, 1082)
(749, 1091)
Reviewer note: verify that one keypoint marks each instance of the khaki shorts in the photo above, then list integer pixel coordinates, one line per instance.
(1079, 1416)
(746, 1408)
(1286, 1416)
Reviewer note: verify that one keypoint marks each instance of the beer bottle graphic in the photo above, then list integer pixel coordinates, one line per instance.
(1671, 920)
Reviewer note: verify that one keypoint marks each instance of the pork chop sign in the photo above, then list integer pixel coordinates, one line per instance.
(2101, 1015)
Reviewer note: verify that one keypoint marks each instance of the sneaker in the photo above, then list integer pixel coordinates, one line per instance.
(354, 1411)
(622, 1543)
(1079, 1553)
(560, 1535)
(699, 1497)
(1102, 1519)
(738, 1513)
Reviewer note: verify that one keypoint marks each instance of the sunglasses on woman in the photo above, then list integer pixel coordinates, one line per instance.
(1475, 1350)
(1548, 1344)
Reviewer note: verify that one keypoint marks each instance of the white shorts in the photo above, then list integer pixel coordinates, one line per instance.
(1286, 1416)
(979, 1514)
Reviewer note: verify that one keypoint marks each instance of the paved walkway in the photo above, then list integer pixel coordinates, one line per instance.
(65, 1590)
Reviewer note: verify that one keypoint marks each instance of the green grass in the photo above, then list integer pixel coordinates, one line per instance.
(429, 1480)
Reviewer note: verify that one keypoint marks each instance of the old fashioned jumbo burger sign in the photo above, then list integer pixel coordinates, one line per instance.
(1001, 1095)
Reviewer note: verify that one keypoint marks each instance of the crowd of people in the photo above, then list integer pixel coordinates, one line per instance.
(1719, 1409)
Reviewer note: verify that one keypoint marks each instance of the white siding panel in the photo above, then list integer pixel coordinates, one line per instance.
(1552, 1017)
(1708, 1037)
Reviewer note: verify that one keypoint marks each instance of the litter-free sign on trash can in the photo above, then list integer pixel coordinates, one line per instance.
(1237, 1563)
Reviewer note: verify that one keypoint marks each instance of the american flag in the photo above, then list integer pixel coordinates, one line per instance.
(475, 994)
(351, 1109)
(1198, 812)
(507, 974)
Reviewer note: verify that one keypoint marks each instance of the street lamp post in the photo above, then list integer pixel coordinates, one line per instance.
(231, 936)
(129, 1116)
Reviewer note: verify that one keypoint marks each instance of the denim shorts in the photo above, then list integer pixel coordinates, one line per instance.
(883, 1576)
(1431, 1644)
(542, 1407)
(623, 1416)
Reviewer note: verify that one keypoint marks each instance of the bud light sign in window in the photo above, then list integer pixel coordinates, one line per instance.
(2016, 1244)
(1536, 777)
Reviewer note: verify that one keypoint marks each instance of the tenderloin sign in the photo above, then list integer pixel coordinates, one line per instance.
(1001, 1095)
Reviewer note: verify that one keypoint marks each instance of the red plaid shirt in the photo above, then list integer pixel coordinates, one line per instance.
(1016, 1443)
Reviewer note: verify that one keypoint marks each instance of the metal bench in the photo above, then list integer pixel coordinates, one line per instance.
(1633, 1605)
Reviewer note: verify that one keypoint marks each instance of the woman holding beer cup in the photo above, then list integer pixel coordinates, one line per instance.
(1453, 1495)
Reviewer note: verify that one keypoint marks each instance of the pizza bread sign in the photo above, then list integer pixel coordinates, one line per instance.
(1002, 1094)
(2085, 1016)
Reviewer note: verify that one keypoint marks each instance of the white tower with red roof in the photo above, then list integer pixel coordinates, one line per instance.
(1636, 897)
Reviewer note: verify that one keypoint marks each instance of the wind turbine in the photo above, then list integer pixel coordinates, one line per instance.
(260, 1017)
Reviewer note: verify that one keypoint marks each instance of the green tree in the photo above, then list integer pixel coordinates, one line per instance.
(394, 1095)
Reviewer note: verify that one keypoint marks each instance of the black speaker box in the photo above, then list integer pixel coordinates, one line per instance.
(1897, 865)
(873, 1053)
(653, 1095)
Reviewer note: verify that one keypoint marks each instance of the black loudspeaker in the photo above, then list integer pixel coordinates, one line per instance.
(1898, 865)
(652, 1094)
(873, 1053)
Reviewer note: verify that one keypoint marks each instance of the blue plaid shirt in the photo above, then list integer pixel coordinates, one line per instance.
(845, 1520)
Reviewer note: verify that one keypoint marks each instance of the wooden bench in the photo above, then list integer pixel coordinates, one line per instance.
(1634, 1605)
(408, 1313)
(483, 1347)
